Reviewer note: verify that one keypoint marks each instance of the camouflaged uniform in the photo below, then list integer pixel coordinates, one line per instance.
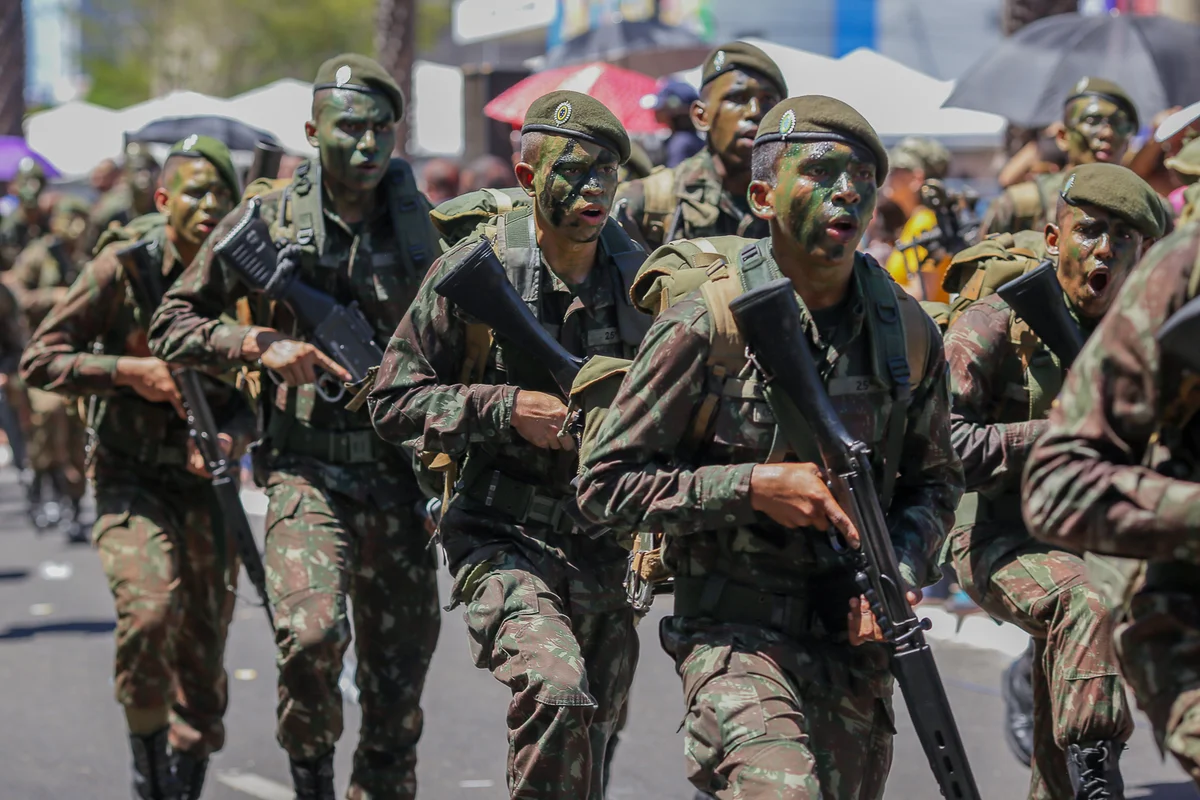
(39, 278)
(779, 705)
(114, 206)
(158, 530)
(545, 605)
(341, 518)
(1002, 382)
(16, 233)
(1117, 473)
(686, 202)
(1025, 206)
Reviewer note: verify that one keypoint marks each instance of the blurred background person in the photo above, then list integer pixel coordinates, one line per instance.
(672, 107)
(440, 180)
(486, 172)
(914, 161)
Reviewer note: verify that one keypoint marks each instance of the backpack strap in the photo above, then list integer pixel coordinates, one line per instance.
(409, 210)
(659, 205)
(627, 257)
(1028, 205)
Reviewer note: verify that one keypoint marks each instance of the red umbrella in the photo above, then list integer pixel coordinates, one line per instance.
(620, 89)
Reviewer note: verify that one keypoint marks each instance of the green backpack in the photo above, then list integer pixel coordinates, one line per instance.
(458, 217)
(983, 268)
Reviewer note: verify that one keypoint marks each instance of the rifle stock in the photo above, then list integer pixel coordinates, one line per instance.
(770, 321)
(1179, 335)
(1037, 298)
(267, 156)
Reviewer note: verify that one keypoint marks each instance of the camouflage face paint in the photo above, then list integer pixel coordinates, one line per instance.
(197, 198)
(736, 103)
(1097, 130)
(824, 197)
(356, 133)
(574, 185)
(1096, 252)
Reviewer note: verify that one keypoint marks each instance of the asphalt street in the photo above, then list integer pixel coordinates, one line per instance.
(62, 735)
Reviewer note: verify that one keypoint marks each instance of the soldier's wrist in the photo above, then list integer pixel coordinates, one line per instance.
(257, 341)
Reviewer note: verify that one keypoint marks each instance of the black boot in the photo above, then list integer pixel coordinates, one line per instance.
(189, 774)
(152, 767)
(1095, 774)
(314, 779)
(1017, 689)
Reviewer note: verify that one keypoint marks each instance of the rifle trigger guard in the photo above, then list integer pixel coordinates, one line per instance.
(326, 394)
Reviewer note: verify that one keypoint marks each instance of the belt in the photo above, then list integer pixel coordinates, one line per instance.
(716, 597)
(519, 501)
(169, 453)
(974, 507)
(332, 447)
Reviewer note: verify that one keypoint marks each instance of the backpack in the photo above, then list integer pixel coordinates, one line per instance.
(457, 218)
(983, 268)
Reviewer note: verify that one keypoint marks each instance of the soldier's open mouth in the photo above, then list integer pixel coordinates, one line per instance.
(1097, 280)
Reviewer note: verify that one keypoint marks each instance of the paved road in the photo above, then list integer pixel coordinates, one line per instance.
(61, 734)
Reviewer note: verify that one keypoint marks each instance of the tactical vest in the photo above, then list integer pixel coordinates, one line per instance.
(664, 216)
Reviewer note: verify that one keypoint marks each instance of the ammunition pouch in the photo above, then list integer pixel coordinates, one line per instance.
(796, 615)
(518, 502)
(975, 508)
(331, 447)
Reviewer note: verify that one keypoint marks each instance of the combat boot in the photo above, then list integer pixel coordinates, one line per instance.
(314, 779)
(1016, 687)
(152, 778)
(1094, 772)
(189, 774)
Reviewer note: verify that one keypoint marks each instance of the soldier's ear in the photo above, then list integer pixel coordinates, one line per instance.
(525, 173)
(761, 196)
(700, 116)
(161, 198)
(1052, 239)
(310, 131)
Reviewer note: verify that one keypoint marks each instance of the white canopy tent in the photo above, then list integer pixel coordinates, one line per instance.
(75, 136)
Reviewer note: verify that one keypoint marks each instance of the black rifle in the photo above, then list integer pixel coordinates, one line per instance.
(267, 156)
(340, 331)
(1037, 298)
(147, 283)
(1179, 335)
(769, 319)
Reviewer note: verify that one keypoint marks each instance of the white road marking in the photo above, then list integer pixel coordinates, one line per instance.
(476, 784)
(255, 785)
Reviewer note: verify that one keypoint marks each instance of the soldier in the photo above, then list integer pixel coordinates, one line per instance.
(705, 195)
(170, 576)
(915, 160)
(787, 694)
(341, 518)
(545, 605)
(1099, 120)
(1002, 383)
(39, 279)
(132, 197)
(1117, 471)
(27, 222)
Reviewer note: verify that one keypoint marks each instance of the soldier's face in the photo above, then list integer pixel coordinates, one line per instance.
(573, 185)
(1095, 129)
(729, 113)
(355, 133)
(68, 226)
(1096, 252)
(28, 188)
(823, 198)
(194, 200)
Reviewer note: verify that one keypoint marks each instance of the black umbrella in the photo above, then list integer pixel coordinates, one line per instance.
(236, 135)
(1027, 77)
(648, 46)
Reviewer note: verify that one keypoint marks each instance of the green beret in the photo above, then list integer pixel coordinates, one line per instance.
(360, 74)
(1119, 191)
(1107, 90)
(213, 152)
(564, 113)
(745, 57)
(1187, 160)
(816, 118)
(918, 153)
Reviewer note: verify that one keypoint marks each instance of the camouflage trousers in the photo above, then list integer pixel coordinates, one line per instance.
(1077, 693)
(57, 439)
(323, 548)
(171, 580)
(1158, 645)
(569, 671)
(774, 718)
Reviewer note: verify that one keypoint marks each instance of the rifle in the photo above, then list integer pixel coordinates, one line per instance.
(769, 319)
(1179, 334)
(147, 284)
(1037, 298)
(341, 331)
(267, 156)
(956, 228)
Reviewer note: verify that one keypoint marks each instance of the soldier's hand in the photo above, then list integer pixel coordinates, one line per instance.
(795, 496)
(297, 362)
(151, 378)
(195, 461)
(861, 622)
(539, 419)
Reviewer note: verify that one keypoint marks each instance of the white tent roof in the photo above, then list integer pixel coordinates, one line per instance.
(172, 104)
(75, 136)
(280, 108)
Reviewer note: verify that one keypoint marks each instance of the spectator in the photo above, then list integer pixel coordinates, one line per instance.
(486, 172)
(672, 107)
(913, 162)
(1173, 129)
(105, 176)
(440, 180)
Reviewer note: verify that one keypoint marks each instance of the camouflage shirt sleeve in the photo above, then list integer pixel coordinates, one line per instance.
(634, 476)
(12, 332)
(59, 356)
(1086, 485)
(187, 327)
(992, 453)
(418, 397)
(1001, 216)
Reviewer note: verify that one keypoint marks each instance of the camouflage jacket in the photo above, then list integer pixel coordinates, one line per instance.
(1098, 479)
(692, 204)
(40, 277)
(1025, 206)
(423, 399)
(363, 264)
(13, 332)
(644, 472)
(75, 350)
(16, 232)
(115, 205)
